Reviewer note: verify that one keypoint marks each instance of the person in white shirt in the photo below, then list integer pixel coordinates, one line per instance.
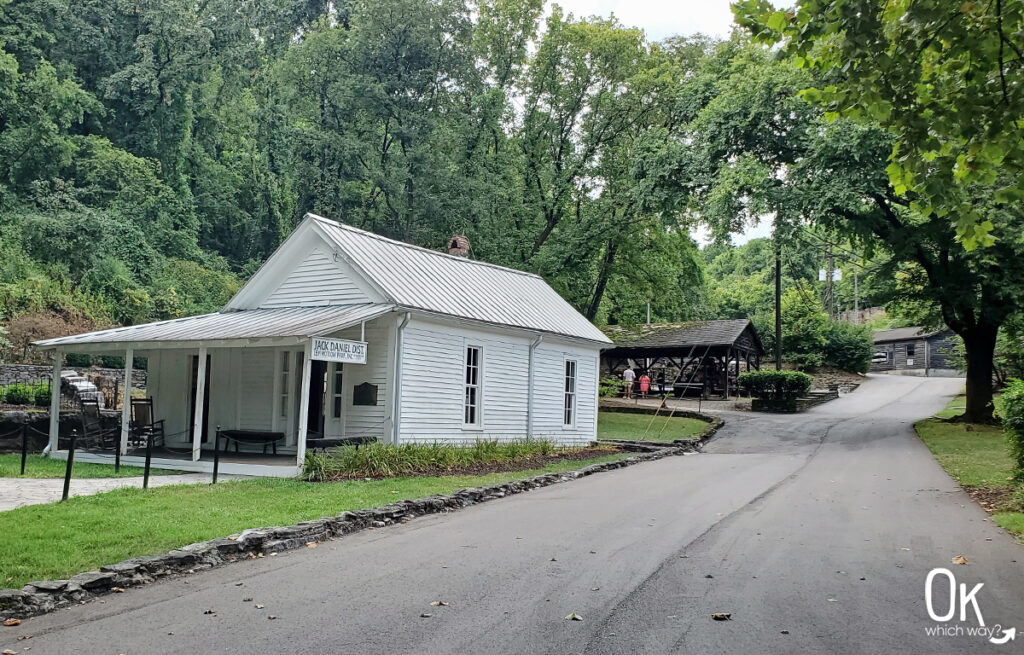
(627, 379)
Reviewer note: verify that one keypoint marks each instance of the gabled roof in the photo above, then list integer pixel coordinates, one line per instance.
(417, 278)
(904, 334)
(250, 324)
(682, 335)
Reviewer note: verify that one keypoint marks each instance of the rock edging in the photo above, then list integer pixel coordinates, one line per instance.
(45, 596)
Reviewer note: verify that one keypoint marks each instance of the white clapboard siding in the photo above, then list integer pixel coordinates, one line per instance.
(317, 280)
(367, 420)
(549, 392)
(433, 384)
(255, 392)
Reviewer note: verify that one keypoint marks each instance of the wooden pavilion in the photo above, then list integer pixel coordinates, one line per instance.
(699, 357)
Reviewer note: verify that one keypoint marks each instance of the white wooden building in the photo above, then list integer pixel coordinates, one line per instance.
(475, 351)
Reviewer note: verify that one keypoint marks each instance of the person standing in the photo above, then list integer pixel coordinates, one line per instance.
(645, 384)
(628, 376)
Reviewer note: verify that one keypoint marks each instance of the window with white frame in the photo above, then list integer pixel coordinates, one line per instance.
(570, 392)
(471, 415)
(286, 358)
(336, 389)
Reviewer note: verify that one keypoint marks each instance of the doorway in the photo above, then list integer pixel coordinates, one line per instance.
(317, 397)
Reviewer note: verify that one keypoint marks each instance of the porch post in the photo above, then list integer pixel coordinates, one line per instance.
(197, 411)
(58, 361)
(300, 440)
(728, 358)
(126, 400)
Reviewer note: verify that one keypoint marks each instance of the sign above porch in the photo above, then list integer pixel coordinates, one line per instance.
(339, 350)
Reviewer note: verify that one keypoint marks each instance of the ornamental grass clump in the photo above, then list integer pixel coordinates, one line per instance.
(379, 460)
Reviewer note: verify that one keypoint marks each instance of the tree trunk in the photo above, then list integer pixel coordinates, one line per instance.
(979, 347)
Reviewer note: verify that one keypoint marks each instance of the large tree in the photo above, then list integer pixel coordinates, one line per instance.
(946, 79)
(757, 148)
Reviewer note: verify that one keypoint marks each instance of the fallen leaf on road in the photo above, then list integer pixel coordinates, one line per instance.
(683, 556)
(784, 632)
(439, 603)
(959, 559)
(10, 623)
(832, 600)
(10, 652)
(271, 617)
(425, 615)
(247, 600)
(259, 607)
(209, 612)
(553, 559)
(595, 588)
(311, 544)
(722, 616)
(709, 576)
(232, 538)
(259, 555)
(904, 549)
(117, 590)
(239, 584)
(593, 552)
(573, 616)
(24, 637)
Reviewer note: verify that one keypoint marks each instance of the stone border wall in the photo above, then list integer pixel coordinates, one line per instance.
(19, 373)
(47, 595)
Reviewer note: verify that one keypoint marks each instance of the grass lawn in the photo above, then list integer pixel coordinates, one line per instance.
(58, 540)
(37, 466)
(977, 458)
(620, 425)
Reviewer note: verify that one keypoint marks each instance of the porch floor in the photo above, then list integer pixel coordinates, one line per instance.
(254, 464)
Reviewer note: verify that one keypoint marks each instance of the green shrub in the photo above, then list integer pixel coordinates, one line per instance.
(1011, 410)
(609, 387)
(41, 395)
(19, 394)
(776, 385)
(77, 360)
(848, 347)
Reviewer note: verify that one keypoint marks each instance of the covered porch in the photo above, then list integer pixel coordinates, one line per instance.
(262, 383)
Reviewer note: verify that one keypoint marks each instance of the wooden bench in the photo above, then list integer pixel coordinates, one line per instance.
(255, 437)
(322, 444)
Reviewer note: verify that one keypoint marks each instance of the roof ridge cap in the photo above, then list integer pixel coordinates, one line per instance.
(373, 235)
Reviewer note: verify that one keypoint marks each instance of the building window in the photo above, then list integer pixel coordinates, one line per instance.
(910, 350)
(570, 392)
(336, 390)
(286, 358)
(472, 404)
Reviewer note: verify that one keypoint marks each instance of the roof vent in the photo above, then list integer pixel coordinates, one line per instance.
(458, 246)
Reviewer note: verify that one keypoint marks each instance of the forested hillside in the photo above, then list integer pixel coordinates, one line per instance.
(152, 154)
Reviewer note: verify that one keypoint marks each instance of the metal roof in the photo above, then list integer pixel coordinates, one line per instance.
(682, 335)
(904, 334)
(248, 324)
(417, 278)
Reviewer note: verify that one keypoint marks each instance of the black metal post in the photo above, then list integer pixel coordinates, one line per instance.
(24, 446)
(149, 458)
(216, 454)
(71, 463)
(117, 455)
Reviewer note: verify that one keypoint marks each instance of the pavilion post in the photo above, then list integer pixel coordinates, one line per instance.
(126, 401)
(197, 411)
(728, 358)
(300, 440)
(58, 361)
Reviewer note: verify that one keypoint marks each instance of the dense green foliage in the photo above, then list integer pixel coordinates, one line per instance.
(848, 347)
(1011, 410)
(945, 79)
(26, 394)
(776, 385)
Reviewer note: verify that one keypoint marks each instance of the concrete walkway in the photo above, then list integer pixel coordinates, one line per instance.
(18, 492)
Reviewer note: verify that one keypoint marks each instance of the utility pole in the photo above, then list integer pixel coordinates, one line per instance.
(856, 300)
(830, 292)
(778, 304)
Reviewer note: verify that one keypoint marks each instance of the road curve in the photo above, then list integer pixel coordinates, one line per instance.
(815, 532)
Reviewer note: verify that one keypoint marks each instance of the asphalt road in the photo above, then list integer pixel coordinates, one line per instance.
(816, 533)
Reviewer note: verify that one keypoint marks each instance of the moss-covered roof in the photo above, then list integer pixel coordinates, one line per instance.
(680, 335)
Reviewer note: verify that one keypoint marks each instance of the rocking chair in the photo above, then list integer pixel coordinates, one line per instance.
(94, 433)
(143, 426)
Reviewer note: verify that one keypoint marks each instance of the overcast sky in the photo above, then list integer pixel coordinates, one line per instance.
(662, 18)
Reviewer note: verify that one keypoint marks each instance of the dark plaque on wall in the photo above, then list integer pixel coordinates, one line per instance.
(364, 394)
